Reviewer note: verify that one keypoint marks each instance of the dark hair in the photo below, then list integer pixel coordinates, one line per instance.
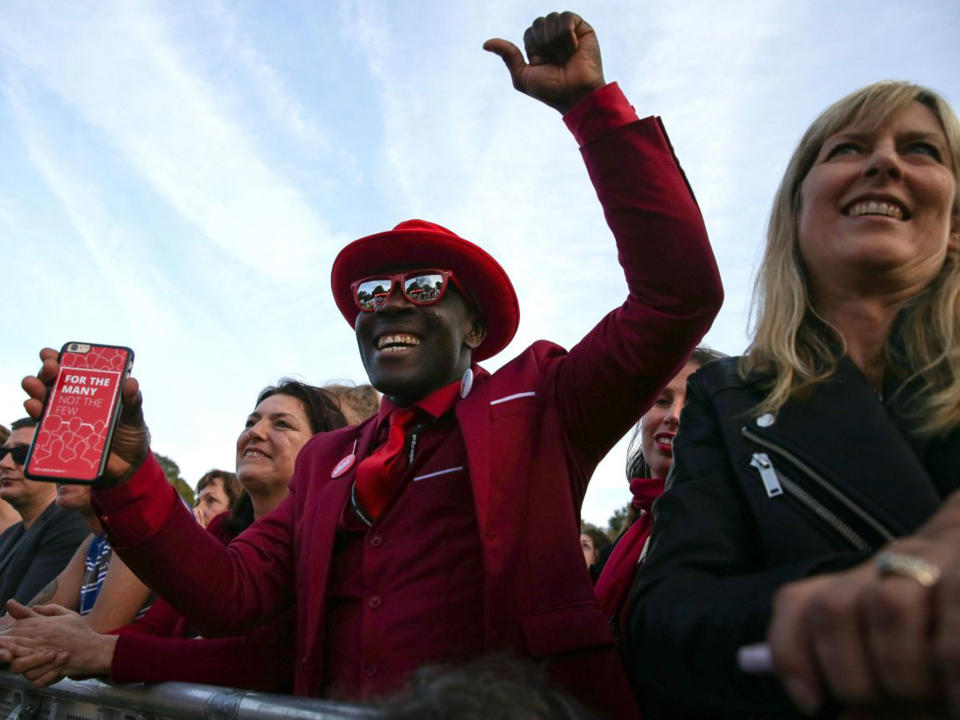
(323, 414)
(599, 537)
(636, 466)
(4, 433)
(321, 407)
(22, 423)
(488, 687)
(228, 480)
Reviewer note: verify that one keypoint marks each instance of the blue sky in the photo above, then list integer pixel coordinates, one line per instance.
(178, 177)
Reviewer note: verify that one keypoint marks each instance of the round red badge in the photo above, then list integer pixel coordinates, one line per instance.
(343, 465)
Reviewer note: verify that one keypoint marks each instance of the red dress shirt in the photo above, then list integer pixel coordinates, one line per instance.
(408, 589)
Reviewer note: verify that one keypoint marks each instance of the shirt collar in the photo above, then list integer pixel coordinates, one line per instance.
(436, 404)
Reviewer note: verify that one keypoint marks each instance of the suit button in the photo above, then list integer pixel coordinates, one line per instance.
(376, 541)
(374, 602)
(370, 669)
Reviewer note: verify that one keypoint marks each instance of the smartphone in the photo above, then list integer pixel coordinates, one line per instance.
(72, 442)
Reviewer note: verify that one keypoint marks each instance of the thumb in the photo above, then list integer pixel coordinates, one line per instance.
(511, 56)
(18, 611)
(52, 609)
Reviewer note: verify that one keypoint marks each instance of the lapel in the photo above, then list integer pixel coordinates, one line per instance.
(322, 514)
(845, 433)
(473, 416)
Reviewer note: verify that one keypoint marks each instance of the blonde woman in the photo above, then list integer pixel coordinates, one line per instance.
(837, 432)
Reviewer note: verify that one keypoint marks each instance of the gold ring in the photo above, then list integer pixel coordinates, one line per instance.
(891, 563)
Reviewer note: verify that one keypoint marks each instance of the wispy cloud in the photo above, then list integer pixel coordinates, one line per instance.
(103, 237)
(119, 66)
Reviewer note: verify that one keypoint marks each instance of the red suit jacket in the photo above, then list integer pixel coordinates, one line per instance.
(534, 431)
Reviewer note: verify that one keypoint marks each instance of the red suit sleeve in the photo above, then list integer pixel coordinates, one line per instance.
(259, 660)
(221, 590)
(610, 378)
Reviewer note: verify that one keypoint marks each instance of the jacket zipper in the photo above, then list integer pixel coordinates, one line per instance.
(812, 503)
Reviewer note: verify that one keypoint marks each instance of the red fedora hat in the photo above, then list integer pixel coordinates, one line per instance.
(416, 243)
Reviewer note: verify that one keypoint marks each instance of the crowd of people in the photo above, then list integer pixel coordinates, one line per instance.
(792, 549)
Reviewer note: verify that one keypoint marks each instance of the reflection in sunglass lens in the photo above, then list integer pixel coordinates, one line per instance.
(371, 294)
(18, 453)
(423, 289)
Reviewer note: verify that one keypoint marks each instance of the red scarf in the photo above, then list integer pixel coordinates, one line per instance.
(613, 585)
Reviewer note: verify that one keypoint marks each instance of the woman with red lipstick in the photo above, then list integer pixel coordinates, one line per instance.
(647, 468)
(836, 434)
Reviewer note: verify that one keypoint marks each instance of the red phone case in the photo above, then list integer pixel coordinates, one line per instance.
(72, 441)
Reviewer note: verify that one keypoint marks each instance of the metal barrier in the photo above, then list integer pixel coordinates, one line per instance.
(95, 700)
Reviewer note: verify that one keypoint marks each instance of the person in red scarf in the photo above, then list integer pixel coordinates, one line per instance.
(445, 527)
(647, 466)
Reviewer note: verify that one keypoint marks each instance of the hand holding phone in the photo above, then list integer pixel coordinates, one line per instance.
(110, 438)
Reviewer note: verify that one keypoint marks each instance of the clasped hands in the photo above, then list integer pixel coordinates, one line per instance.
(48, 642)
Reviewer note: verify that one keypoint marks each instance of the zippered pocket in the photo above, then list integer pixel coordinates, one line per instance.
(827, 490)
(777, 485)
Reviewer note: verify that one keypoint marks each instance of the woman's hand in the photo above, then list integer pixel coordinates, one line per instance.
(884, 634)
(564, 60)
(131, 439)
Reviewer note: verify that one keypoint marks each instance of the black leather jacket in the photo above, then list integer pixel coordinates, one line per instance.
(755, 501)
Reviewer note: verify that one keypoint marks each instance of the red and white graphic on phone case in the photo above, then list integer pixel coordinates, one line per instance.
(74, 431)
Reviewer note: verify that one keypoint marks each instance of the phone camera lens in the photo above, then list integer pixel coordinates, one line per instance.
(73, 346)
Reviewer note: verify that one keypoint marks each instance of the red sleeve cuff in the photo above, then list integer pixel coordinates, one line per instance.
(135, 510)
(599, 113)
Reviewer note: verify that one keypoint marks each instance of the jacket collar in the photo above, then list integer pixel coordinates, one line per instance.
(846, 433)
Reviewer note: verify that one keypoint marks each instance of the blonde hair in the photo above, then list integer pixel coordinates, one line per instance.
(797, 347)
(357, 402)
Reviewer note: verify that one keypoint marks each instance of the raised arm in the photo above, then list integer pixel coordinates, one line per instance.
(607, 381)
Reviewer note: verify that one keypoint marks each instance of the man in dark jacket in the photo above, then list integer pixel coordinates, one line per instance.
(36, 549)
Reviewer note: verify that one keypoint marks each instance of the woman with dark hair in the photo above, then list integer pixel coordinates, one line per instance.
(594, 543)
(649, 456)
(159, 647)
(836, 434)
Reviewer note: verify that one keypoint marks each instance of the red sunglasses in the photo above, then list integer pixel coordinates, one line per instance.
(420, 287)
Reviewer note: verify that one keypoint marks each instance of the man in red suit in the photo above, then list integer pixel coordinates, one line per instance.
(446, 527)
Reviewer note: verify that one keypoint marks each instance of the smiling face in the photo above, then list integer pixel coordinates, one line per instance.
(877, 206)
(660, 423)
(268, 446)
(411, 350)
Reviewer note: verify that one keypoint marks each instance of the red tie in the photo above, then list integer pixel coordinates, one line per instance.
(374, 485)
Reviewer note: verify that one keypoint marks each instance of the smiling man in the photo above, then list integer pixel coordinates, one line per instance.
(446, 526)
